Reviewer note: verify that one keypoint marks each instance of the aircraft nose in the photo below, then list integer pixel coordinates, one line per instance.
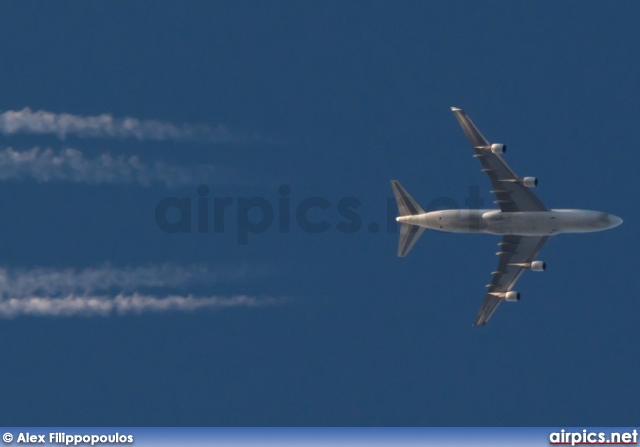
(614, 221)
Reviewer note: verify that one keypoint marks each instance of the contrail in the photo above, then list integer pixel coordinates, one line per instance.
(72, 305)
(89, 292)
(70, 165)
(89, 281)
(42, 122)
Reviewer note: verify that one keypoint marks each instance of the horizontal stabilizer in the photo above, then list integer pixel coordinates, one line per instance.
(409, 235)
(407, 206)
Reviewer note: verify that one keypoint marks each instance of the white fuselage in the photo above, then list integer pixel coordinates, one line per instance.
(520, 223)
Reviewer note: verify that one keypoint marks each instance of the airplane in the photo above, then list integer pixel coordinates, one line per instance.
(523, 221)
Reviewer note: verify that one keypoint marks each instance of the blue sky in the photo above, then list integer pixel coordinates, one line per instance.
(333, 99)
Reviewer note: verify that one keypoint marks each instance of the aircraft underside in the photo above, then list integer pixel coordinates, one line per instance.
(522, 223)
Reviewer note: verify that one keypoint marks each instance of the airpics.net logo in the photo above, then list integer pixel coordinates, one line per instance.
(205, 213)
(586, 437)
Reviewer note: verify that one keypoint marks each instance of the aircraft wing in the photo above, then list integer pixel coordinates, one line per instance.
(513, 250)
(511, 194)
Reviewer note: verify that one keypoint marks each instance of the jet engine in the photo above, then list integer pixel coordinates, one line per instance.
(538, 266)
(512, 296)
(530, 182)
(498, 148)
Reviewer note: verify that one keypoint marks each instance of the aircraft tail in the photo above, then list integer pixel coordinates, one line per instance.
(407, 206)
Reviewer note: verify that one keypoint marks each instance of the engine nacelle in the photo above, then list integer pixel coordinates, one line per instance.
(512, 296)
(498, 148)
(530, 182)
(538, 266)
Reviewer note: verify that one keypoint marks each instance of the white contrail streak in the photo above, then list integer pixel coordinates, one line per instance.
(62, 125)
(72, 305)
(70, 165)
(89, 281)
(89, 292)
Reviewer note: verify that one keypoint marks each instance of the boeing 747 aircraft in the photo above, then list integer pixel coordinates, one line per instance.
(523, 221)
